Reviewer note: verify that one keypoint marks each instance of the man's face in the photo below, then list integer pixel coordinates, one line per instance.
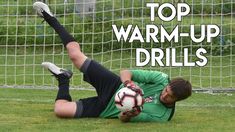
(167, 96)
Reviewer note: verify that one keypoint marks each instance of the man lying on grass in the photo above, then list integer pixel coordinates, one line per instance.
(159, 92)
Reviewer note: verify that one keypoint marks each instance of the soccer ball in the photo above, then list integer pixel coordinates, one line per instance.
(126, 99)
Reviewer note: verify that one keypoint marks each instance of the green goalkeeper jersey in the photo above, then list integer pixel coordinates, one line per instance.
(152, 83)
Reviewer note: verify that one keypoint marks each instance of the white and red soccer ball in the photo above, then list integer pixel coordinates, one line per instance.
(126, 99)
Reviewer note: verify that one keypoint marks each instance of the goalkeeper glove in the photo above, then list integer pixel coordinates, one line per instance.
(130, 84)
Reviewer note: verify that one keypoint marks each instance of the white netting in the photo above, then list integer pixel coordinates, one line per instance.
(25, 41)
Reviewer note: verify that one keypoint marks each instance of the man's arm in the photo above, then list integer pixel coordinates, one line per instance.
(125, 76)
(146, 76)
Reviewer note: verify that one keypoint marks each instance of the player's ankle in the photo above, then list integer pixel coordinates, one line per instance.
(63, 80)
(46, 16)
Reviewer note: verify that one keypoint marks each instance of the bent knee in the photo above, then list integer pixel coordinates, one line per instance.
(59, 111)
(65, 110)
(76, 55)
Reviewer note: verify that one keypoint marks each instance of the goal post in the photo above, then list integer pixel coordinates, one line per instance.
(25, 41)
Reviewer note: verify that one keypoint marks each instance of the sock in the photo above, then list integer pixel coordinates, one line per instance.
(63, 92)
(53, 22)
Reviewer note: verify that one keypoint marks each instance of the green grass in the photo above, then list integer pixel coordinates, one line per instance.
(25, 42)
(29, 43)
(32, 110)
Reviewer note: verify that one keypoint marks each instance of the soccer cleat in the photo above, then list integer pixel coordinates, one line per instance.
(56, 71)
(42, 7)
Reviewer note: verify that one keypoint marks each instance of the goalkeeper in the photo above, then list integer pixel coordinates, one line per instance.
(160, 94)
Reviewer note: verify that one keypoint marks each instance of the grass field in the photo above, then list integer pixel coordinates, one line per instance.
(25, 42)
(32, 110)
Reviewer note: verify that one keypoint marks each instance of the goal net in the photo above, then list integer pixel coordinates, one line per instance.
(26, 42)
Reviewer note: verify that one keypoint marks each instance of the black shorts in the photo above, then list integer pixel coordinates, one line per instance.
(106, 84)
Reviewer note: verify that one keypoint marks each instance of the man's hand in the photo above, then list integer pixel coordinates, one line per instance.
(126, 76)
(134, 87)
(126, 116)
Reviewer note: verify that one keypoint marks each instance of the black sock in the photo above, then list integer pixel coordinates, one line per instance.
(53, 22)
(63, 92)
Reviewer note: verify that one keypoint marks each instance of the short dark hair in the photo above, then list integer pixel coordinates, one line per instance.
(181, 88)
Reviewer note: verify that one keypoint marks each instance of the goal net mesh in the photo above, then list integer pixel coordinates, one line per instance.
(26, 41)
